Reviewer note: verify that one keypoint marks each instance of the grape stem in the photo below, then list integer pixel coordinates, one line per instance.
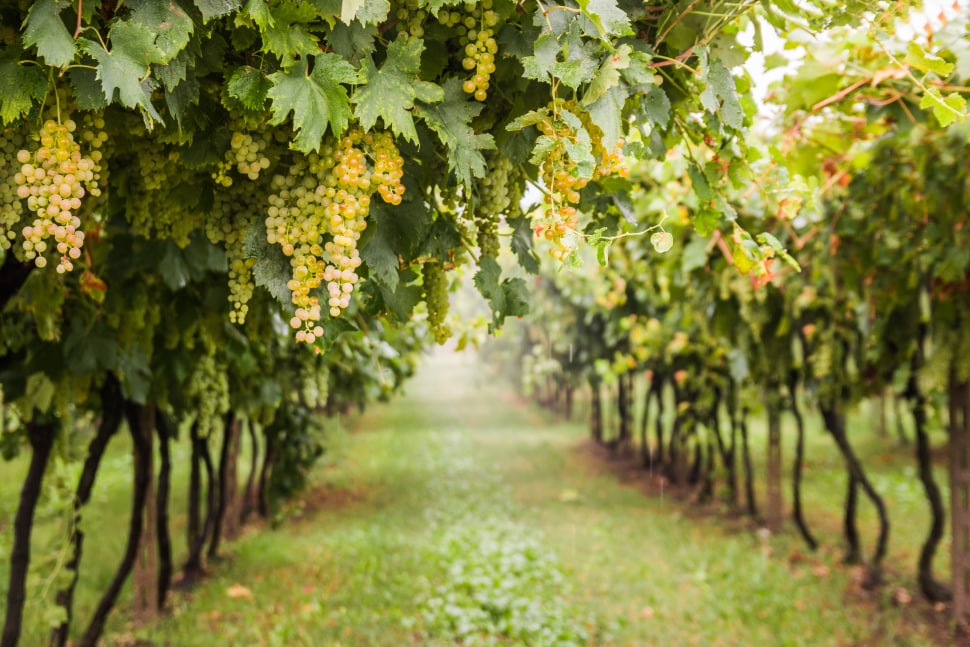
(77, 30)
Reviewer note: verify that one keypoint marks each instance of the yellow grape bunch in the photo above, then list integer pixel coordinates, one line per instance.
(53, 179)
(562, 182)
(316, 214)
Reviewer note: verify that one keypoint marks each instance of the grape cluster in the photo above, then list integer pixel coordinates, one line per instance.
(11, 209)
(436, 298)
(476, 36)
(411, 18)
(155, 209)
(207, 393)
(563, 183)
(246, 154)
(228, 222)
(329, 195)
(494, 199)
(52, 180)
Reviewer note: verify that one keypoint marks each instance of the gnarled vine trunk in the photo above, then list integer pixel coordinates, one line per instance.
(797, 512)
(41, 439)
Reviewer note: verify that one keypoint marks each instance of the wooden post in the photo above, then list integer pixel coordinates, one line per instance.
(145, 576)
(959, 405)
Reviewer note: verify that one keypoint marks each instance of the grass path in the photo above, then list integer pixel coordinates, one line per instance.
(458, 512)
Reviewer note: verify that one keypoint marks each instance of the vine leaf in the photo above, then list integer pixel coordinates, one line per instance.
(215, 8)
(608, 76)
(508, 298)
(522, 244)
(122, 69)
(250, 87)
(317, 99)
(46, 30)
(451, 121)
(366, 11)
(20, 86)
(285, 34)
(720, 95)
(609, 19)
(948, 109)
(171, 24)
(925, 61)
(389, 93)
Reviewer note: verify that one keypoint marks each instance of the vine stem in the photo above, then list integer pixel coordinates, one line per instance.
(77, 30)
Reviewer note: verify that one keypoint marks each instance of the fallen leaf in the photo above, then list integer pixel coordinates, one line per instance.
(821, 570)
(237, 591)
(647, 613)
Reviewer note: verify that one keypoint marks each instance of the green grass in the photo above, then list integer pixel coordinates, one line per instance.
(423, 527)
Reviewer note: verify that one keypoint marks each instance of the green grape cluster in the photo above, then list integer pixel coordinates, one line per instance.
(477, 37)
(494, 200)
(228, 222)
(329, 196)
(246, 155)
(314, 384)
(207, 392)
(151, 209)
(436, 298)
(11, 209)
(52, 180)
(410, 19)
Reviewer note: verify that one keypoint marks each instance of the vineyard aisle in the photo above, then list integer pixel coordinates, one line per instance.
(458, 511)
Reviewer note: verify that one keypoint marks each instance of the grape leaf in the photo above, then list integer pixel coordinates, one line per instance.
(388, 93)
(272, 269)
(543, 60)
(316, 99)
(20, 86)
(353, 42)
(250, 87)
(287, 34)
(925, 61)
(260, 13)
(87, 89)
(720, 84)
(947, 109)
(441, 239)
(609, 19)
(380, 258)
(451, 121)
(655, 106)
(508, 298)
(121, 69)
(608, 75)
(171, 25)
(607, 113)
(45, 29)
(522, 244)
(215, 8)
(366, 11)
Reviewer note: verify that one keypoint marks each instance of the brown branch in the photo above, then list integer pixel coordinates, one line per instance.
(841, 94)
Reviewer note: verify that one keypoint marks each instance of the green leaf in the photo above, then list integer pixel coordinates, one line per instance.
(354, 41)
(288, 34)
(720, 82)
(260, 14)
(170, 23)
(662, 241)
(508, 298)
(215, 8)
(609, 19)
(608, 75)
(656, 107)
(379, 257)
(272, 269)
(442, 237)
(607, 113)
(366, 11)
(317, 100)
(925, 61)
(45, 29)
(522, 244)
(389, 93)
(451, 122)
(947, 110)
(122, 69)
(699, 182)
(545, 54)
(250, 87)
(705, 220)
(20, 86)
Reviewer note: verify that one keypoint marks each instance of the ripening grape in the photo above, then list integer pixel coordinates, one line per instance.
(246, 154)
(479, 48)
(11, 208)
(52, 180)
(494, 200)
(207, 393)
(317, 212)
(563, 184)
(436, 298)
(228, 222)
(410, 19)
(154, 209)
